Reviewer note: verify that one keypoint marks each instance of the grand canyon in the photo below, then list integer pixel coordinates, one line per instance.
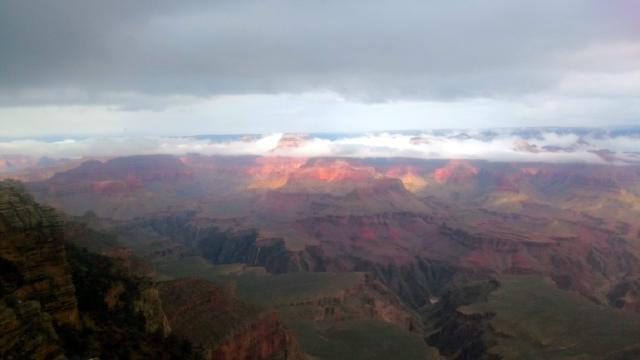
(320, 180)
(266, 256)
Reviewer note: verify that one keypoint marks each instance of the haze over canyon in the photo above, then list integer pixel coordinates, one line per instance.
(273, 253)
(328, 180)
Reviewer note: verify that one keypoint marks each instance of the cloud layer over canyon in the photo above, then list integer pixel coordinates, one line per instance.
(531, 145)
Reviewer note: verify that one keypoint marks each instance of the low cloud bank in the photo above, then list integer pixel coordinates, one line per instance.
(527, 145)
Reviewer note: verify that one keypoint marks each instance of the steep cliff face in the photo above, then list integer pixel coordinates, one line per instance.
(458, 335)
(26, 329)
(363, 298)
(111, 297)
(31, 241)
(119, 175)
(58, 301)
(266, 338)
(121, 314)
(115, 188)
(222, 326)
(36, 288)
(626, 295)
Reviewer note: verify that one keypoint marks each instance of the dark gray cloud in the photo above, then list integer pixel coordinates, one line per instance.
(128, 52)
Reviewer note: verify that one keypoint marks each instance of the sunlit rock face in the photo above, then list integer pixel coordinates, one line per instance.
(272, 172)
(518, 215)
(455, 171)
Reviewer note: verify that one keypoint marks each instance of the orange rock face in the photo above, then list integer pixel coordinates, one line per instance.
(454, 171)
(272, 172)
(336, 170)
(409, 176)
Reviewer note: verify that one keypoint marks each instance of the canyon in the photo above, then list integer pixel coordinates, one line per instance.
(317, 251)
(61, 301)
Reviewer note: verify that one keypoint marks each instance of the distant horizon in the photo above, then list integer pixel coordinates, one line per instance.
(58, 137)
(613, 145)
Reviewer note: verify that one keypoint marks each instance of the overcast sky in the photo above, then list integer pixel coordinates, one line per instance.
(82, 67)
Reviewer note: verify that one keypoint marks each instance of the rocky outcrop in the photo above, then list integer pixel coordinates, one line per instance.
(57, 300)
(222, 326)
(149, 305)
(26, 329)
(457, 335)
(625, 295)
(31, 243)
(224, 248)
(365, 299)
(36, 289)
(417, 283)
(266, 338)
(114, 300)
(117, 175)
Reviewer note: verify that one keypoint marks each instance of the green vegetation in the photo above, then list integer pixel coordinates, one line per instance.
(256, 286)
(83, 236)
(293, 295)
(274, 290)
(536, 320)
(203, 312)
(196, 266)
(359, 339)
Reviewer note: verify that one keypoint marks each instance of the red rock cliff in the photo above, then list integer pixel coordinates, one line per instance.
(222, 326)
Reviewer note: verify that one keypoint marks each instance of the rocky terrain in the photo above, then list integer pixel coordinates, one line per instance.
(37, 287)
(223, 326)
(333, 246)
(61, 301)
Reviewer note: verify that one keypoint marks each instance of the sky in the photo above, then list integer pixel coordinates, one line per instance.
(140, 68)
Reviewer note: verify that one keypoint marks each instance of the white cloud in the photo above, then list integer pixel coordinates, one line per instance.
(503, 145)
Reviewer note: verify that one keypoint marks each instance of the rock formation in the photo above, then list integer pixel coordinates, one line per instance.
(58, 301)
(222, 326)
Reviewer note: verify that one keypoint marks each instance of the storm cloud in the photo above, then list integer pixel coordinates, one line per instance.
(548, 58)
(74, 51)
